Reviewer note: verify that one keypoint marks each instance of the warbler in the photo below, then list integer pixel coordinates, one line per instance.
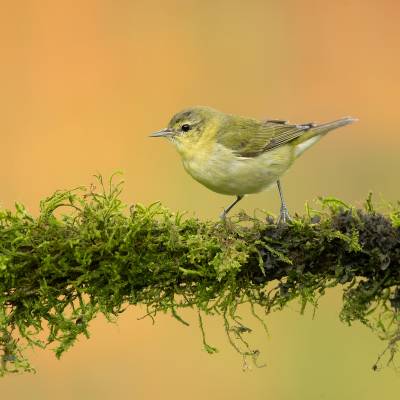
(235, 155)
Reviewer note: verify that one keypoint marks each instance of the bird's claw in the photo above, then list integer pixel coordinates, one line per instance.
(284, 216)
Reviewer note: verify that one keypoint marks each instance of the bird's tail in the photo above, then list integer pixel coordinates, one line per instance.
(325, 128)
(316, 132)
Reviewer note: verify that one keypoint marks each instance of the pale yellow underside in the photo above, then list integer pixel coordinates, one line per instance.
(220, 170)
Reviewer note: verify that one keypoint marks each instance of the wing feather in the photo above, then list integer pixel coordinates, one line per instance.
(250, 138)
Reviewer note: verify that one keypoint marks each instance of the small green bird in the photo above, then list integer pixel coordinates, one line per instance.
(235, 155)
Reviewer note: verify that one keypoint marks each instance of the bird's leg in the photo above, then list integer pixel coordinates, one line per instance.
(284, 213)
(226, 210)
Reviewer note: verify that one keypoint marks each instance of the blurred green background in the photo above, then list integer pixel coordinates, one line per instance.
(83, 83)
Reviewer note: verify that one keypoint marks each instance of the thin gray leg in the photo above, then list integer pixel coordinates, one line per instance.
(225, 212)
(284, 213)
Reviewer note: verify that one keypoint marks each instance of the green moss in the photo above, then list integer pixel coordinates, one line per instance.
(88, 253)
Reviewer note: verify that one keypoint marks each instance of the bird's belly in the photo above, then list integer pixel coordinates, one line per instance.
(228, 174)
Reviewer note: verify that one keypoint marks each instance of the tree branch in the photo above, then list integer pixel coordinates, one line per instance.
(57, 271)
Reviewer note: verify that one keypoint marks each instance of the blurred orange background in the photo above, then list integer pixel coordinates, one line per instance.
(83, 83)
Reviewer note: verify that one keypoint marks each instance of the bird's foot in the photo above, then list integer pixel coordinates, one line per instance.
(226, 222)
(284, 216)
(222, 217)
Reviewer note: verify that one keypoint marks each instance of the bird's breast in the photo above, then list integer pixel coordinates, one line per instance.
(220, 170)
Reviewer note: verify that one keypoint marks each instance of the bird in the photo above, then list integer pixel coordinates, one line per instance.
(237, 156)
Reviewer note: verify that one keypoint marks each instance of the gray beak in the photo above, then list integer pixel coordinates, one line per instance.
(163, 133)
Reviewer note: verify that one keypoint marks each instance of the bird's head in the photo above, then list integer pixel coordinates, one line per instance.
(187, 127)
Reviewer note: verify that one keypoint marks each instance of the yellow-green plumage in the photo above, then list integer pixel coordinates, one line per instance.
(236, 155)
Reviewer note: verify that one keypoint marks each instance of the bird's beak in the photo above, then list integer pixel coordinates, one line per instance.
(163, 133)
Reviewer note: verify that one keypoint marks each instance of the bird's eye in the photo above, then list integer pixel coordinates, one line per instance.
(185, 127)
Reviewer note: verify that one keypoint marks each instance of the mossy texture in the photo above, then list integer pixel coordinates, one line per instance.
(87, 253)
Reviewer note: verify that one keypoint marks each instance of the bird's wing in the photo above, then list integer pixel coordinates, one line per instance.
(253, 138)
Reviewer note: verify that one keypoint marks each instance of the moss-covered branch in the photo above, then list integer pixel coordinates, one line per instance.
(87, 253)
